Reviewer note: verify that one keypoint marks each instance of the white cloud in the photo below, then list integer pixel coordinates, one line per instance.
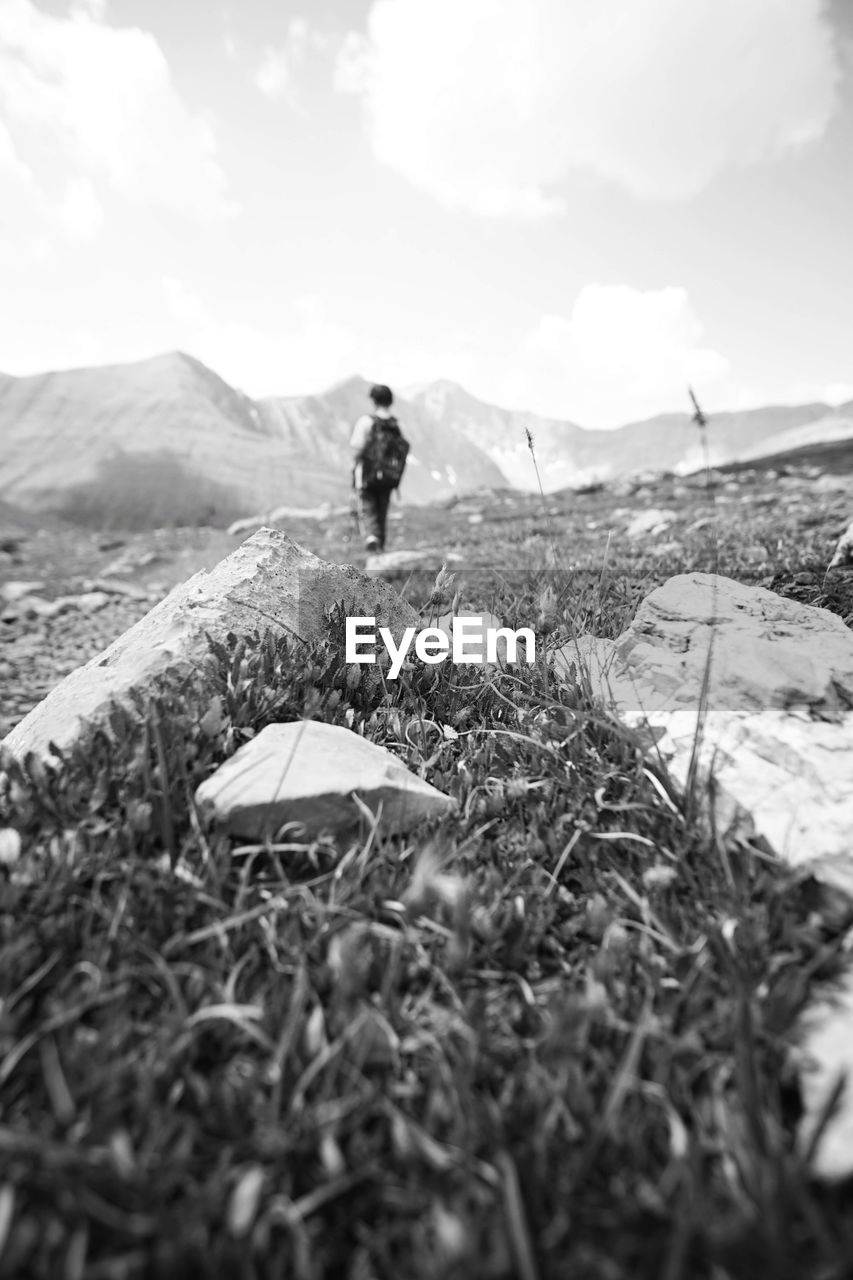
(276, 74)
(184, 305)
(307, 356)
(96, 9)
(621, 354)
(491, 103)
(27, 348)
(273, 75)
(99, 102)
(797, 392)
(80, 213)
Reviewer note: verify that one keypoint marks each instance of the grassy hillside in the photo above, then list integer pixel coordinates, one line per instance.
(833, 456)
(529, 1042)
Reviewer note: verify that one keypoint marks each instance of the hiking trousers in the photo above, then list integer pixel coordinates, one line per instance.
(373, 514)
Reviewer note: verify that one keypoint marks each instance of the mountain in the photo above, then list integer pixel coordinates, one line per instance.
(567, 454)
(829, 428)
(167, 441)
(442, 460)
(826, 443)
(563, 451)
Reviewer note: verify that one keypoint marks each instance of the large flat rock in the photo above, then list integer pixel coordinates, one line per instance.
(765, 651)
(775, 735)
(269, 582)
(307, 772)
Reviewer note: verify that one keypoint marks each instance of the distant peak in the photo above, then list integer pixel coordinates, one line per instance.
(181, 358)
(355, 382)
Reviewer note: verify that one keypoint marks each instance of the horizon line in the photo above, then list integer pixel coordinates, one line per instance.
(424, 385)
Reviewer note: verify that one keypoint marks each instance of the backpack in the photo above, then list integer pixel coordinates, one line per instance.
(383, 459)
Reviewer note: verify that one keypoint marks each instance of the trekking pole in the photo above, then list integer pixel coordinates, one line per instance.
(355, 505)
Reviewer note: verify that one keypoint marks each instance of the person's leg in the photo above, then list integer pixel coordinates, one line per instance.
(371, 527)
(383, 501)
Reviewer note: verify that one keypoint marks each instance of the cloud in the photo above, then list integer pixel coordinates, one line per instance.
(490, 104)
(99, 103)
(621, 354)
(273, 75)
(90, 9)
(277, 71)
(306, 357)
(80, 213)
(27, 348)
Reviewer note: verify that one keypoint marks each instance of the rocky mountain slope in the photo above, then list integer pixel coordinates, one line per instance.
(567, 454)
(167, 437)
(167, 441)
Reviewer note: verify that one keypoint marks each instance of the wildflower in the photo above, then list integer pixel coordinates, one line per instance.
(441, 589)
(431, 885)
(547, 617)
(659, 876)
(10, 846)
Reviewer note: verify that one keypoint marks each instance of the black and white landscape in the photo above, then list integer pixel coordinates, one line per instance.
(169, 441)
(327, 960)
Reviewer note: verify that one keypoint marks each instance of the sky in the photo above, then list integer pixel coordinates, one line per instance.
(577, 207)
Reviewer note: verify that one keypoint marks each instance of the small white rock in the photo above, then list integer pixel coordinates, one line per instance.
(306, 772)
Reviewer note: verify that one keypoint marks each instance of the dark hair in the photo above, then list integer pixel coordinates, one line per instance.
(381, 396)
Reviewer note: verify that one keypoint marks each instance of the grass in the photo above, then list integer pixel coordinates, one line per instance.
(146, 491)
(547, 1037)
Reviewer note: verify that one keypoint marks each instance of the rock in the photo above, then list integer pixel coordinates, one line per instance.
(130, 561)
(321, 512)
(268, 582)
(306, 772)
(112, 588)
(777, 739)
(768, 651)
(13, 591)
(32, 607)
(843, 558)
(832, 484)
(422, 558)
(651, 521)
(36, 607)
(89, 601)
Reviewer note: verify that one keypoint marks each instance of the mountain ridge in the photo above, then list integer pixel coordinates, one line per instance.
(170, 423)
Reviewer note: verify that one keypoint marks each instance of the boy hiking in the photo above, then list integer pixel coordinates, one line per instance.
(379, 453)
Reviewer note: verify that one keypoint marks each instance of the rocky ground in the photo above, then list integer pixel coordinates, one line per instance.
(779, 530)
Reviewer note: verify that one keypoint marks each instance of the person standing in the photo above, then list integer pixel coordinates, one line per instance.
(379, 455)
